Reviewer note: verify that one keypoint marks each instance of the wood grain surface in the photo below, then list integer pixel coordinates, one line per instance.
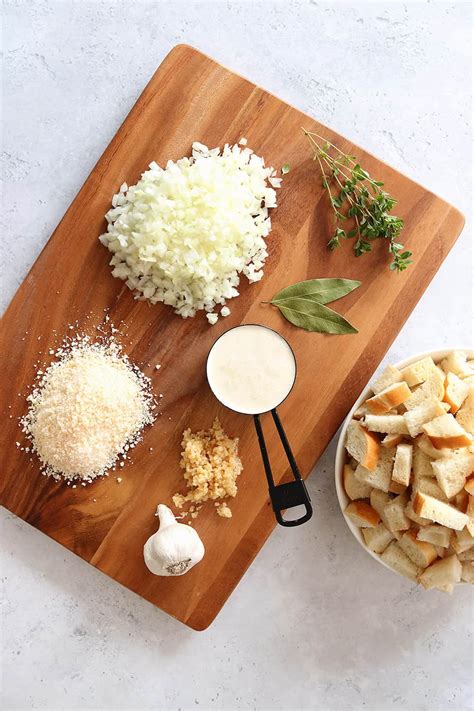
(191, 98)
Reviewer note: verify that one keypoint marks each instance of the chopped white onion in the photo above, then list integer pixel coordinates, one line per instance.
(183, 234)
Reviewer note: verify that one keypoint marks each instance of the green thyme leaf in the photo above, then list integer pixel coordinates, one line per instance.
(322, 291)
(285, 168)
(313, 316)
(355, 195)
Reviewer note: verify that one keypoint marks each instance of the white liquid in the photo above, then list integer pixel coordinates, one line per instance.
(251, 369)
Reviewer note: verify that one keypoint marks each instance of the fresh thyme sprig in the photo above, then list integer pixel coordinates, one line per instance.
(351, 189)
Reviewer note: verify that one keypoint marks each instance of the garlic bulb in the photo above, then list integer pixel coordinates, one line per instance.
(174, 548)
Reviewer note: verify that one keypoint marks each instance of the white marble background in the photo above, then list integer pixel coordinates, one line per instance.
(315, 623)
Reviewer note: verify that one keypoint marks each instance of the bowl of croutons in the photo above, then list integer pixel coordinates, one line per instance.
(405, 468)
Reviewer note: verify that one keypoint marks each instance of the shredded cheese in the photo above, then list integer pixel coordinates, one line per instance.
(87, 410)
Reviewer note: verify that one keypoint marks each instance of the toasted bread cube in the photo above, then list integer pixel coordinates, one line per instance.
(455, 392)
(396, 488)
(456, 363)
(402, 464)
(439, 512)
(443, 572)
(389, 376)
(354, 488)
(465, 414)
(387, 399)
(377, 539)
(462, 541)
(410, 513)
(467, 573)
(422, 465)
(419, 372)
(423, 443)
(362, 445)
(420, 552)
(386, 424)
(470, 515)
(439, 536)
(361, 412)
(390, 441)
(418, 416)
(451, 473)
(461, 501)
(397, 559)
(469, 485)
(432, 388)
(381, 476)
(378, 500)
(394, 515)
(362, 515)
(446, 432)
(467, 556)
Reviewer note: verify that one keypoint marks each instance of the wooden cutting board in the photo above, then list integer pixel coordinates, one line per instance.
(192, 98)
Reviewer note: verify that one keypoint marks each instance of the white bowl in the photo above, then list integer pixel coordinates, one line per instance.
(341, 452)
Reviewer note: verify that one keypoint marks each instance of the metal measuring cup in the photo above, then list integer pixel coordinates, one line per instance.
(283, 496)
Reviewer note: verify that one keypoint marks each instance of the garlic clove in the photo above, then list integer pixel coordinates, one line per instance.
(174, 549)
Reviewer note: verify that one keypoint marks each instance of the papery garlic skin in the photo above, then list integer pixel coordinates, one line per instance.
(174, 549)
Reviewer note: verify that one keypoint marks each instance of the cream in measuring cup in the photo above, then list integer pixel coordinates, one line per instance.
(251, 369)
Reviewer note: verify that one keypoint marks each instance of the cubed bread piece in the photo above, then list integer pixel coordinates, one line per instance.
(390, 441)
(387, 424)
(451, 472)
(443, 572)
(410, 513)
(416, 418)
(420, 552)
(461, 501)
(432, 388)
(425, 445)
(465, 414)
(439, 512)
(446, 432)
(387, 399)
(467, 556)
(455, 392)
(361, 412)
(396, 488)
(456, 363)
(422, 465)
(354, 488)
(419, 372)
(389, 376)
(397, 559)
(428, 485)
(469, 485)
(462, 541)
(362, 445)
(393, 514)
(378, 500)
(379, 477)
(377, 539)
(362, 515)
(467, 573)
(402, 464)
(439, 536)
(470, 515)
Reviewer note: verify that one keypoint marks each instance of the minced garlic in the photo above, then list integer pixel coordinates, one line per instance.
(211, 466)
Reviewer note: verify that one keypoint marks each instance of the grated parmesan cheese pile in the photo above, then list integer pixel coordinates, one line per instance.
(87, 409)
(183, 234)
(211, 464)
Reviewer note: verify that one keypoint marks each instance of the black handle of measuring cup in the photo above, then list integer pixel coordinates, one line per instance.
(291, 494)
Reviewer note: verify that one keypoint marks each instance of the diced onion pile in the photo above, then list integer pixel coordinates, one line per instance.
(183, 234)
